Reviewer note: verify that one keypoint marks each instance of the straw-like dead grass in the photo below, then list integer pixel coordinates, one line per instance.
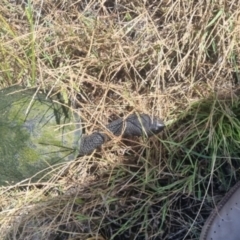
(118, 57)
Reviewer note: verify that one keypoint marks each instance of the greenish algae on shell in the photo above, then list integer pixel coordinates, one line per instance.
(36, 133)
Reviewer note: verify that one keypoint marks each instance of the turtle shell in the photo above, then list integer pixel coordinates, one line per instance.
(36, 133)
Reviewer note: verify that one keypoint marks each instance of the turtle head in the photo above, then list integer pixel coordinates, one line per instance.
(142, 125)
(135, 125)
(156, 125)
(150, 125)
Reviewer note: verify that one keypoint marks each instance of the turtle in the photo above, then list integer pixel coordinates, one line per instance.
(38, 132)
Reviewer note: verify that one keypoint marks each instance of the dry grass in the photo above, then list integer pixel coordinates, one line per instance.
(117, 57)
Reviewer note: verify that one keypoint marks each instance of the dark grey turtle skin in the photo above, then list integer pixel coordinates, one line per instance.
(38, 132)
(134, 125)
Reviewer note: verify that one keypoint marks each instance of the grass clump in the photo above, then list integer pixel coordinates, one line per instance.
(208, 132)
